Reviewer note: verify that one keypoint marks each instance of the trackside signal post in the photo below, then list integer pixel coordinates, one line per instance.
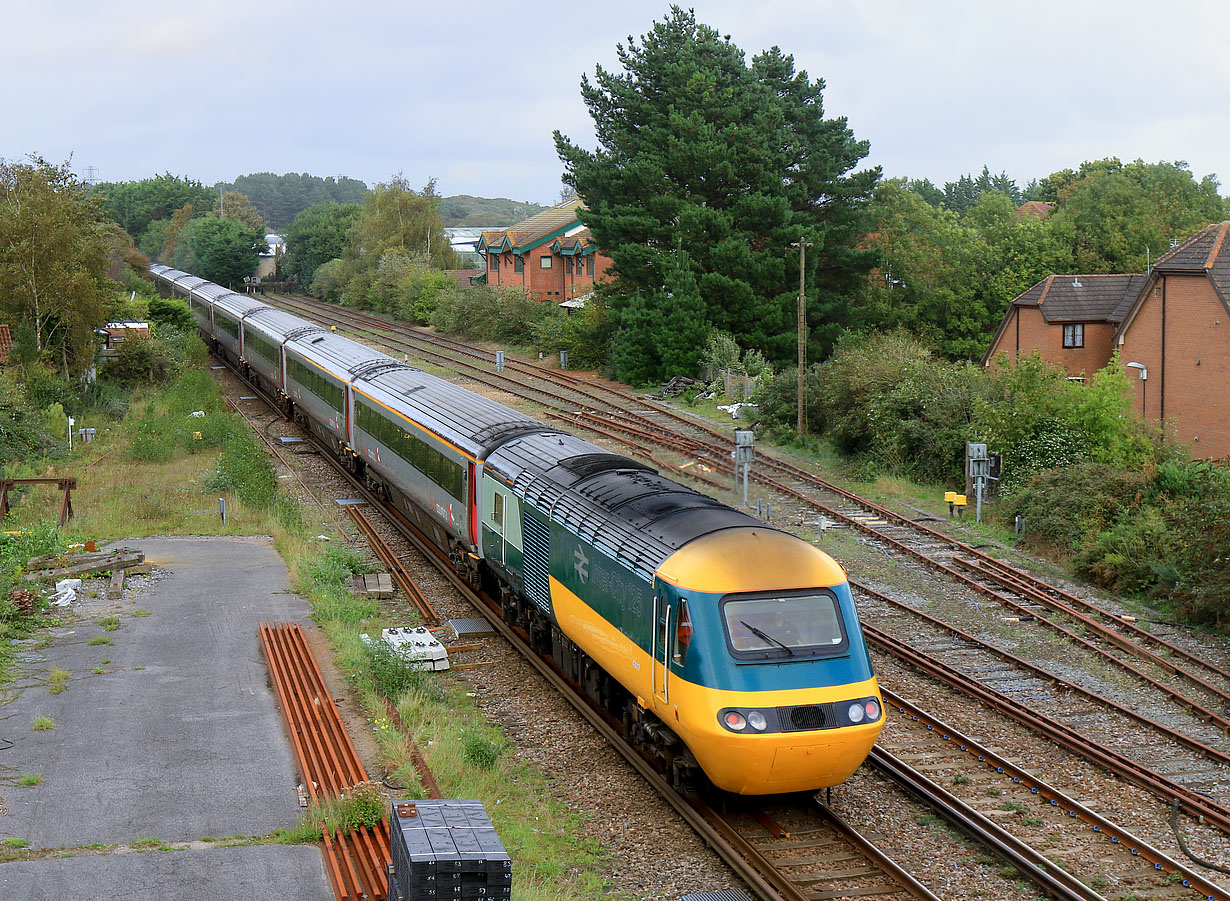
(745, 453)
(978, 465)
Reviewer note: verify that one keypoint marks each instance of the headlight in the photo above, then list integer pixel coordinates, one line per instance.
(855, 713)
(757, 721)
(873, 709)
(734, 720)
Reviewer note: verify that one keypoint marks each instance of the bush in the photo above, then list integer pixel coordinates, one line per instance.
(1066, 508)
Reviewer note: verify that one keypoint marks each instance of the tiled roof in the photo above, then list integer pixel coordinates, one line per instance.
(1083, 298)
(6, 341)
(1038, 208)
(1201, 251)
(463, 276)
(528, 231)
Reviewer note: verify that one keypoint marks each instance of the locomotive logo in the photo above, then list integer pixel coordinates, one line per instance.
(582, 565)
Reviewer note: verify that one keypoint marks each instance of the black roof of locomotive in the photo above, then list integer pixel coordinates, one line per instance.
(616, 502)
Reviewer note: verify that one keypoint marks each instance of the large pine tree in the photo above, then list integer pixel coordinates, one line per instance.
(732, 162)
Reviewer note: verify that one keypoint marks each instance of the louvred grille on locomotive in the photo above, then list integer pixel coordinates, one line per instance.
(804, 717)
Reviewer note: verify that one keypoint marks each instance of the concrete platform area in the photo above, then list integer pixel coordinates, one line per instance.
(176, 737)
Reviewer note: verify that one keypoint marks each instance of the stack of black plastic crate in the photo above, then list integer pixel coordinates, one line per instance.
(446, 849)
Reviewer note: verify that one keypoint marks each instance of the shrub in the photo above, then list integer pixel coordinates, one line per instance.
(480, 750)
(1065, 508)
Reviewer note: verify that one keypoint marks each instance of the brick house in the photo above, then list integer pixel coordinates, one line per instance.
(552, 255)
(1178, 329)
(1069, 320)
(1170, 327)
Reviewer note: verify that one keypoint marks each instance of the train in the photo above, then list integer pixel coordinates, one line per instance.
(729, 651)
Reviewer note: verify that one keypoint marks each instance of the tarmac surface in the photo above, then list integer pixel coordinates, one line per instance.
(176, 740)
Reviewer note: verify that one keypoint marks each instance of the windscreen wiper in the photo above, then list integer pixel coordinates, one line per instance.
(767, 637)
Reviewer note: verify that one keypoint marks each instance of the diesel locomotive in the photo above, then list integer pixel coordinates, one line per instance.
(730, 651)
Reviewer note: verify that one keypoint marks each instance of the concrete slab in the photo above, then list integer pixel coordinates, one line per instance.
(179, 736)
(266, 871)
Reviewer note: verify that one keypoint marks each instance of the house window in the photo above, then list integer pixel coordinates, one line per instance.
(1074, 335)
(495, 263)
(589, 266)
(518, 263)
(568, 265)
(544, 262)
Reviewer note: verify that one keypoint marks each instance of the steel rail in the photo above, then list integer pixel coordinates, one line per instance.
(398, 571)
(1054, 797)
(1021, 663)
(1037, 868)
(356, 862)
(991, 569)
(839, 515)
(1190, 802)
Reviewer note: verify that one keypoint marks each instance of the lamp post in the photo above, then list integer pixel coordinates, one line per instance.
(802, 244)
(1144, 375)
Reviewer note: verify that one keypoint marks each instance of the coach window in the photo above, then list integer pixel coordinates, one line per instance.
(497, 512)
(1074, 335)
(544, 262)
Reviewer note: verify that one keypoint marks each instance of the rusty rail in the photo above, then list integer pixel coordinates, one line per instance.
(356, 862)
(400, 576)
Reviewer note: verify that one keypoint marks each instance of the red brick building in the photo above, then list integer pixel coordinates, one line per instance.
(1069, 320)
(551, 255)
(1179, 330)
(1170, 327)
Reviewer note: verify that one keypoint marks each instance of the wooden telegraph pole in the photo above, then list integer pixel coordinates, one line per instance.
(802, 244)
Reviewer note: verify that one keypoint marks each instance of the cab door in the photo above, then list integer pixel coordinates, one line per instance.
(663, 630)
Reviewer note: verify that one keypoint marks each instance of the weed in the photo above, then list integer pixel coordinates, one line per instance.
(16, 843)
(110, 623)
(1098, 881)
(98, 670)
(140, 613)
(482, 751)
(105, 661)
(994, 792)
(960, 779)
(362, 806)
(58, 680)
(42, 724)
(390, 673)
(149, 844)
(138, 667)
(1013, 805)
(929, 819)
(29, 779)
(1031, 821)
(100, 639)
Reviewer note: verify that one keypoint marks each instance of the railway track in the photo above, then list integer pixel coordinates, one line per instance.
(1198, 688)
(976, 565)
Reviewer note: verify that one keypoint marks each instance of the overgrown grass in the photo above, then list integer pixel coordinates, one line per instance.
(57, 681)
(42, 724)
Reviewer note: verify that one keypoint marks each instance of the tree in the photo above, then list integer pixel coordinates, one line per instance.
(317, 235)
(53, 260)
(280, 198)
(220, 250)
(731, 161)
(135, 204)
(395, 216)
(1115, 217)
(233, 205)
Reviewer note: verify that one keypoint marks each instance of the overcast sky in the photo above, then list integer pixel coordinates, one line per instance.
(469, 93)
